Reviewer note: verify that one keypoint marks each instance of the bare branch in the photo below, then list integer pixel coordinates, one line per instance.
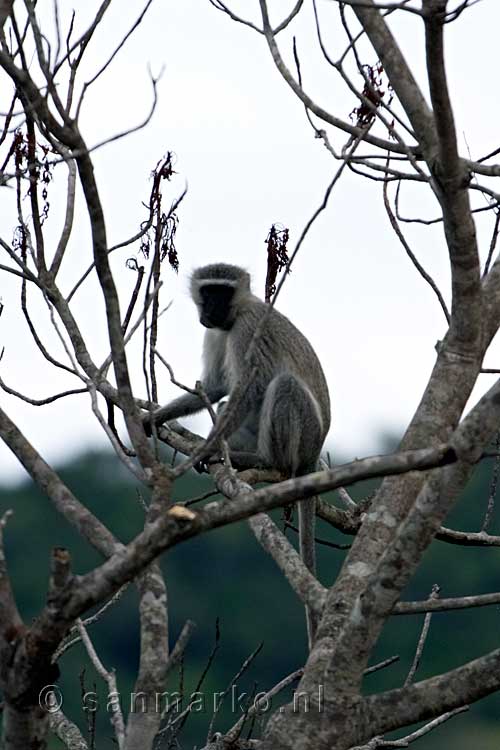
(429, 698)
(236, 729)
(110, 680)
(411, 254)
(131, 465)
(421, 641)
(445, 605)
(68, 221)
(303, 582)
(65, 502)
(224, 8)
(451, 187)
(110, 59)
(40, 401)
(70, 640)
(155, 661)
(66, 730)
(381, 665)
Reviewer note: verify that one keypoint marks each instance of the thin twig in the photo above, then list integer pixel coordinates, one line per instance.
(235, 731)
(110, 680)
(221, 696)
(493, 243)
(421, 641)
(493, 488)
(381, 665)
(411, 254)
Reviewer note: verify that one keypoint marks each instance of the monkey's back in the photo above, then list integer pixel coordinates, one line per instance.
(280, 347)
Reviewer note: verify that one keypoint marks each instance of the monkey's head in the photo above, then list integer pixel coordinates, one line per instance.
(216, 290)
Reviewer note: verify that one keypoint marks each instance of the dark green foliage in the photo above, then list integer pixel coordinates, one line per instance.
(226, 575)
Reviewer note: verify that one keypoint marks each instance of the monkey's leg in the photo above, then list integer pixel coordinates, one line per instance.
(242, 460)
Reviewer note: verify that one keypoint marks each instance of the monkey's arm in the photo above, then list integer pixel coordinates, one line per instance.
(213, 383)
(187, 404)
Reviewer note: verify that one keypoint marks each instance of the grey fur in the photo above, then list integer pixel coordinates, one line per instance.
(284, 415)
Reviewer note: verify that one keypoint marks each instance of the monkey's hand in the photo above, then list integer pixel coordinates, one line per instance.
(240, 461)
(148, 420)
(201, 467)
(204, 464)
(147, 423)
(157, 417)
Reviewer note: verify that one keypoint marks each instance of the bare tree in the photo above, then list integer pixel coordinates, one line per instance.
(406, 141)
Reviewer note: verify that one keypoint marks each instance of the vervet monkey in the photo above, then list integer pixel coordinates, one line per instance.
(284, 414)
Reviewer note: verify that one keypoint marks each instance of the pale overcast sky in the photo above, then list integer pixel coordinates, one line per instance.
(249, 157)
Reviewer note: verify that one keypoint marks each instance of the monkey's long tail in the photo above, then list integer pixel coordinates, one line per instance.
(307, 524)
(290, 438)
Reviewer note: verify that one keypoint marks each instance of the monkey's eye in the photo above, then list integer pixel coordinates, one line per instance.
(220, 292)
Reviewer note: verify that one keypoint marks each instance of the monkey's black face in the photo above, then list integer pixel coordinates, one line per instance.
(216, 306)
